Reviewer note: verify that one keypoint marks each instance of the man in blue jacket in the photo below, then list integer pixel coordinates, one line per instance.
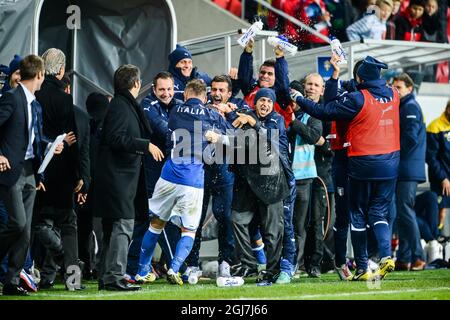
(374, 144)
(181, 67)
(157, 106)
(178, 194)
(411, 172)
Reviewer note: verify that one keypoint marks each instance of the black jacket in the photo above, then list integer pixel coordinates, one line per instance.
(119, 185)
(14, 135)
(62, 172)
(83, 140)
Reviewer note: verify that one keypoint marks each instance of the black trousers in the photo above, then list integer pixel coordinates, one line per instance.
(15, 235)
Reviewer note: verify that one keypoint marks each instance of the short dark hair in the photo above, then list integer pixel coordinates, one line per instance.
(30, 66)
(162, 75)
(223, 78)
(420, 3)
(125, 77)
(268, 63)
(406, 79)
(448, 105)
(196, 86)
(356, 67)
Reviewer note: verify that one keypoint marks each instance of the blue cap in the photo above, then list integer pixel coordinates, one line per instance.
(370, 69)
(178, 54)
(266, 93)
(14, 64)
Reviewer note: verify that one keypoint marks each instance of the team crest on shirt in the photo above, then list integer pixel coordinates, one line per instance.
(447, 136)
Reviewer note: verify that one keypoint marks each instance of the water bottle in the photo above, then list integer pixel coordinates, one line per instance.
(229, 281)
(250, 33)
(337, 49)
(434, 251)
(283, 43)
(447, 251)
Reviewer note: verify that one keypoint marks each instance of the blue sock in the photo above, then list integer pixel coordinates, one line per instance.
(383, 235)
(184, 247)
(147, 248)
(359, 243)
(259, 254)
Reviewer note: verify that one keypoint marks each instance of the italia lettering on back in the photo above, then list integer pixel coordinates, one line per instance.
(191, 110)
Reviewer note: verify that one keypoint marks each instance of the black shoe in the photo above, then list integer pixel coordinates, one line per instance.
(241, 270)
(81, 287)
(13, 290)
(314, 273)
(121, 286)
(264, 278)
(45, 285)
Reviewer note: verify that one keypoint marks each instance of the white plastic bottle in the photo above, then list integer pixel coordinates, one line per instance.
(447, 251)
(229, 281)
(434, 251)
(283, 43)
(337, 49)
(250, 33)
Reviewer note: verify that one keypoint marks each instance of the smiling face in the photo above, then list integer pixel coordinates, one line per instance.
(14, 79)
(266, 77)
(186, 67)
(220, 92)
(164, 90)
(263, 107)
(314, 87)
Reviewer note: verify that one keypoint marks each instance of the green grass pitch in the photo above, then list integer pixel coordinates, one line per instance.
(424, 285)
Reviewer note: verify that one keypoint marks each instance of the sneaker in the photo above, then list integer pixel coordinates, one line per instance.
(419, 265)
(129, 278)
(27, 282)
(148, 278)
(224, 270)
(243, 271)
(362, 275)
(314, 273)
(283, 278)
(344, 272)
(174, 278)
(386, 265)
(264, 278)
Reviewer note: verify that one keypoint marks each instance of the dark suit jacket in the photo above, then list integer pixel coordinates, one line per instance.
(63, 171)
(14, 135)
(83, 137)
(119, 185)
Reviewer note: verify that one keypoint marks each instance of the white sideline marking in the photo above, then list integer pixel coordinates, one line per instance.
(369, 292)
(307, 296)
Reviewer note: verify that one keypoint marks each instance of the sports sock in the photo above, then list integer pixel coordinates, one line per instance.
(147, 248)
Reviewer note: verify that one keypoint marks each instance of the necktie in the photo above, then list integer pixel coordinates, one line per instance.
(36, 112)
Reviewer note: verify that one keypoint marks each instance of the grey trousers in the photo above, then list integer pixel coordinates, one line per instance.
(56, 230)
(116, 240)
(15, 235)
(271, 223)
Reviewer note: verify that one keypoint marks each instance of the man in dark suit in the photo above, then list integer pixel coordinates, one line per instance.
(22, 146)
(119, 183)
(56, 226)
